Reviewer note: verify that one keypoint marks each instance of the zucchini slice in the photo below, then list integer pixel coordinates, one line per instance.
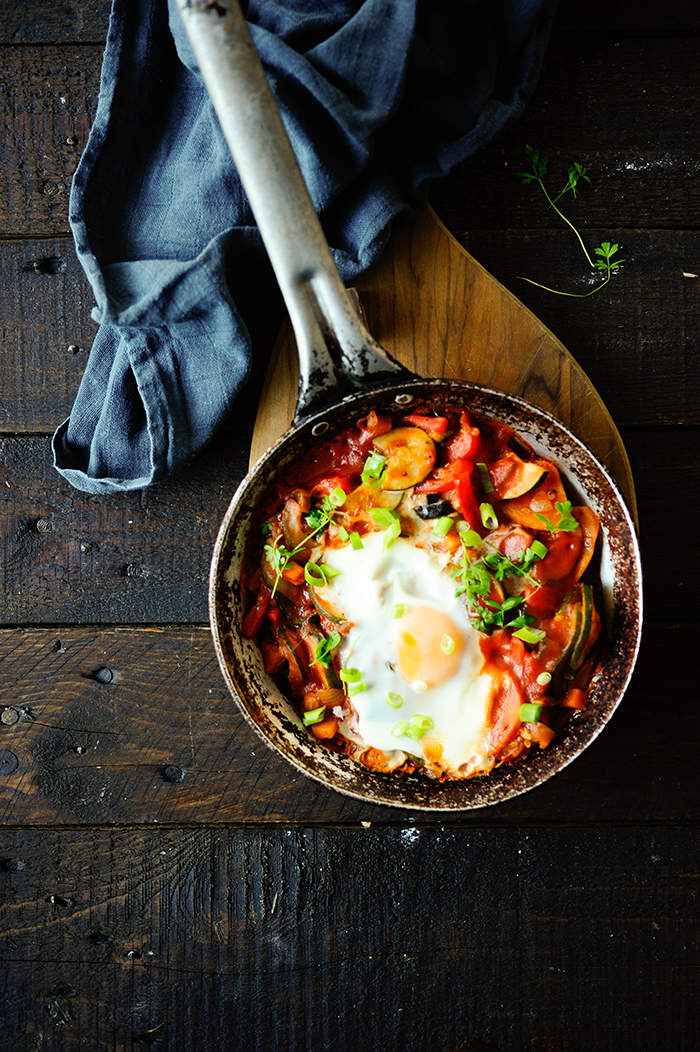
(410, 454)
(324, 606)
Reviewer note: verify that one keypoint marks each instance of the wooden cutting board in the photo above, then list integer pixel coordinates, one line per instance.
(438, 312)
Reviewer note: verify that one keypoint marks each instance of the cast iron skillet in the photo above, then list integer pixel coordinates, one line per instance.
(343, 374)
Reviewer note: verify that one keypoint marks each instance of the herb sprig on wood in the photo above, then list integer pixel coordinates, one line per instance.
(605, 251)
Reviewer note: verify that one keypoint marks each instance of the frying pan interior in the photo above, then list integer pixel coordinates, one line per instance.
(270, 713)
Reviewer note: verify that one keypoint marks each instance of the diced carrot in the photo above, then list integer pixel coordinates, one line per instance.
(574, 699)
(326, 728)
(317, 696)
(294, 573)
(545, 735)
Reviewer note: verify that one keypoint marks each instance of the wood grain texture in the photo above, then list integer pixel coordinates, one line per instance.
(624, 337)
(135, 557)
(46, 332)
(642, 156)
(347, 939)
(47, 106)
(116, 726)
(54, 21)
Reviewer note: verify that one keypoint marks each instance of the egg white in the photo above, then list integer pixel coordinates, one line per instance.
(370, 582)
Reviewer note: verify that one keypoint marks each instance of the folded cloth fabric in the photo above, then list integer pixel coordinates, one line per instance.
(379, 97)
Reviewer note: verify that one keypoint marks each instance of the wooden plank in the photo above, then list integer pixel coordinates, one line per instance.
(644, 328)
(568, 116)
(46, 108)
(486, 940)
(135, 557)
(54, 22)
(640, 150)
(47, 332)
(126, 726)
(144, 557)
(629, 18)
(640, 331)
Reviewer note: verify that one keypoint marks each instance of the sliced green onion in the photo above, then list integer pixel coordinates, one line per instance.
(425, 723)
(383, 516)
(469, 537)
(343, 533)
(355, 541)
(374, 469)
(395, 700)
(488, 516)
(337, 497)
(399, 729)
(447, 644)
(486, 483)
(530, 635)
(350, 675)
(356, 688)
(539, 549)
(415, 733)
(544, 679)
(443, 525)
(313, 716)
(314, 575)
(398, 610)
(392, 533)
(530, 713)
(318, 575)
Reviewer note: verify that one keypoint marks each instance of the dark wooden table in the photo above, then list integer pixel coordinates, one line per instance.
(165, 881)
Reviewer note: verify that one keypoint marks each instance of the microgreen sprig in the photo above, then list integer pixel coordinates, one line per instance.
(606, 250)
(474, 582)
(318, 519)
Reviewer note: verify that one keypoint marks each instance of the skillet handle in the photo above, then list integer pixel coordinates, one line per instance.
(336, 352)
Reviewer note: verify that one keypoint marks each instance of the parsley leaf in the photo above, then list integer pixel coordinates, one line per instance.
(566, 521)
(324, 649)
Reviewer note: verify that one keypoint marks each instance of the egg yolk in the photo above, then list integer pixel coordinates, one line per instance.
(429, 646)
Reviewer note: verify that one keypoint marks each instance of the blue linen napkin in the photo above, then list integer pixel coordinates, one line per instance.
(379, 97)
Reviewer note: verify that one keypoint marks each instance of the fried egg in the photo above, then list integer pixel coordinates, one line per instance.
(418, 658)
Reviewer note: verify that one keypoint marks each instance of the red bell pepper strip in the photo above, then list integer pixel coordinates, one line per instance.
(435, 426)
(256, 615)
(456, 477)
(466, 502)
(466, 442)
(443, 479)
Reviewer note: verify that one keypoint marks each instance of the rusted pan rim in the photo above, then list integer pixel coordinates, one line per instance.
(272, 716)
